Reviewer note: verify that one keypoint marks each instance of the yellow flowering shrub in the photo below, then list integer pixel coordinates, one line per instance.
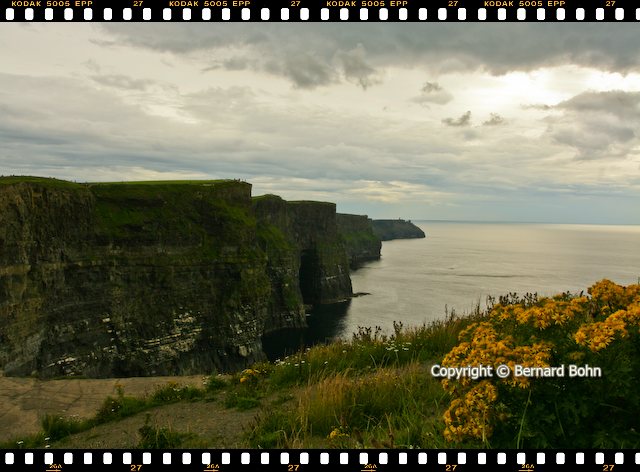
(249, 376)
(471, 414)
(600, 330)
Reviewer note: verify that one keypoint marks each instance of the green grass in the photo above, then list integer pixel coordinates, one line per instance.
(369, 350)
(265, 197)
(153, 437)
(312, 202)
(43, 181)
(198, 215)
(59, 183)
(167, 182)
(372, 391)
(273, 241)
(215, 383)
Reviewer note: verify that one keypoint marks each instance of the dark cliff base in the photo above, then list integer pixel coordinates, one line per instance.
(396, 229)
(155, 278)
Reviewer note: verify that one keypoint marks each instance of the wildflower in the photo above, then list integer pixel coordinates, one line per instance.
(337, 433)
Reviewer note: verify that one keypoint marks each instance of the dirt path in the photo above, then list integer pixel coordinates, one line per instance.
(210, 424)
(23, 401)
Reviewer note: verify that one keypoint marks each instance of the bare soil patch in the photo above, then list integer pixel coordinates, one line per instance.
(208, 424)
(23, 401)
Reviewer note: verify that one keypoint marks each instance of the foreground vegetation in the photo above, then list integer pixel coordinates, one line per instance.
(376, 390)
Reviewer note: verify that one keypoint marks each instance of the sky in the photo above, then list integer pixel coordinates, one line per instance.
(488, 122)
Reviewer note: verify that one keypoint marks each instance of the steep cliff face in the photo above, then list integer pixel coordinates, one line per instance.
(142, 279)
(396, 229)
(360, 241)
(155, 278)
(283, 264)
(310, 228)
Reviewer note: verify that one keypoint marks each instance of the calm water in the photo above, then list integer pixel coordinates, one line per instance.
(459, 264)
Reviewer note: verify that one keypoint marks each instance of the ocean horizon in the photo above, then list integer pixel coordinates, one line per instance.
(461, 263)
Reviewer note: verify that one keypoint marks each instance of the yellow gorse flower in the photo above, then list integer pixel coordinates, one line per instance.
(470, 416)
(595, 322)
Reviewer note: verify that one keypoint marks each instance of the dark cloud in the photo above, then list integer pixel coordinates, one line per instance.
(236, 63)
(537, 106)
(313, 55)
(304, 70)
(430, 87)
(432, 92)
(356, 69)
(463, 120)
(494, 120)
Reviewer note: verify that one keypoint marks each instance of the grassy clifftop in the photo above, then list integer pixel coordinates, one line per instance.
(42, 181)
(396, 229)
(201, 213)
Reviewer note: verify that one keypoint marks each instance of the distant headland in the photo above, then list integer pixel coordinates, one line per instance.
(396, 229)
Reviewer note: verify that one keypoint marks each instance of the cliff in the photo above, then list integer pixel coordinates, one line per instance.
(310, 228)
(396, 229)
(360, 241)
(155, 278)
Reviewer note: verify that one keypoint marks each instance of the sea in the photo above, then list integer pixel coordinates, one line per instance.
(458, 265)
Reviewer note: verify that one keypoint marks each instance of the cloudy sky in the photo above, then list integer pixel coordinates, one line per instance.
(493, 122)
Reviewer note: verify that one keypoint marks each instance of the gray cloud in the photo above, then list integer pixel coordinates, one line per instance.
(432, 92)
(355, 67)
(616, 102)
(429, 87)
(306, 54)
(122, 82)
(304, 70)
(598, 125)
(232, 64)
(463, 120)
(494, 120)
(537, 106)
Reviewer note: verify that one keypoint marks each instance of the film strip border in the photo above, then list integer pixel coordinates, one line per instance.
(332, 460)
(320, 10)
